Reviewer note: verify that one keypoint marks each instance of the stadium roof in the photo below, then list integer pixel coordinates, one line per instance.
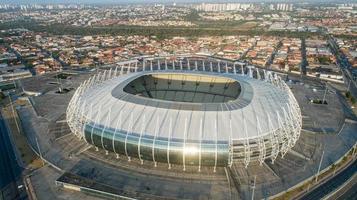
(253, 114)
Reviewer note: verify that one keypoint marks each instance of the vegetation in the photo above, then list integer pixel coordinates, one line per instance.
(205, 29)
(347, 37)
(348, 94)
(62, 76)
(319, 101)
(2, 96)
(350, 97)
(192, 16)
(55, 54)
(324, 60)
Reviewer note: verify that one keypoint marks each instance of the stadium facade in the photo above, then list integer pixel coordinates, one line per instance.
(187, 111)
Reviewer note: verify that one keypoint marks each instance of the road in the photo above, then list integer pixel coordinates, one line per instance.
(10, 171)
(350, 194)
(304, 62)
(332, 184)
(344, 65)
(272, 56)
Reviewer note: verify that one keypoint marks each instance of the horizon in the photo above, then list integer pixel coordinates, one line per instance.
(16, 2)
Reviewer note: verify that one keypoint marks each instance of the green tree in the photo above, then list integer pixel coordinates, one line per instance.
(348, 94)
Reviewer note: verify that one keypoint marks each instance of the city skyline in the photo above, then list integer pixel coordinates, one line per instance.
(163, 1)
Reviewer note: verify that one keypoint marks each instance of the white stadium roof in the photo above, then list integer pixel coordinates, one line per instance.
(244, 118)
(217, 112)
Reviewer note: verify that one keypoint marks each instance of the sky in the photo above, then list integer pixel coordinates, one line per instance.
(151, 1)
(145, 1)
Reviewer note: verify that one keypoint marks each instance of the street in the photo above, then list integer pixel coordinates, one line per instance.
(10, 171)
(332, 184)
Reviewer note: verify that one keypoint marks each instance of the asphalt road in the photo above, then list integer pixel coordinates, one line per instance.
(332, 184)
(10, 171)
(350, 194)
(345, 66)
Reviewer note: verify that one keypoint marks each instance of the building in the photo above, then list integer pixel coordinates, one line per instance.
(187, 111)
(9, 73)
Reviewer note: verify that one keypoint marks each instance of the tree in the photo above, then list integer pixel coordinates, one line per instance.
(348, 94)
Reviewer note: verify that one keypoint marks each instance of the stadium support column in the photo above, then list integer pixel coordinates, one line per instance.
(211, 66)
(102, 78)
(226, 67)
(246, 145)
(274, 141)
(92, 81)
(258, 74)
(188, 64)
(119, 123)
(200, 149)
(242, 69)
(91, 112)
(230, 162)
(153, 141)
(294, 123)
(97, 80)
(110, 74)
(250, 71)
(151, 65)
(97, 77)
(115, 72)
(261, 144)
(219, 66)
(122, 70)
(276, 80)
(216, 151)
(82, 118)
(144, 64)
(96, 121)
(126, 137)
(184, 146)
(85, 121)
(168, 143)
(203, 65)
(234, 68)
(106, 75)
(103, 131)
(173, 65)
(72, 107)
(141, 134)
(280, 83)
(273, 78)
(165, 64)
(296, 115)
(181, 65)
(284, 147)
(158, 64)
(265, 75)
(289, 130)
(196, 65)
(270, 79)
(136, 66)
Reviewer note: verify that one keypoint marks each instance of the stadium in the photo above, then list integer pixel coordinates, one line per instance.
(196, 111)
